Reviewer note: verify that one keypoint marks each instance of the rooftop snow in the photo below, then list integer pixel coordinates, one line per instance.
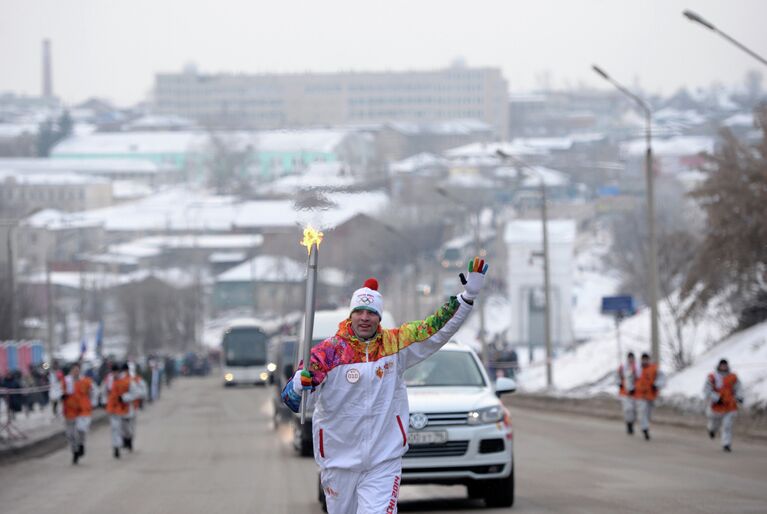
(179, 142)
(51, 179)
(184, 210)
(266, 268)
(530, 231)
(679, 145)
(417, 162)
(82, 165)
(550, 177)
(491, 150)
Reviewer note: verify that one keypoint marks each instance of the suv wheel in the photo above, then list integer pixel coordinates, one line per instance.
(499, 492)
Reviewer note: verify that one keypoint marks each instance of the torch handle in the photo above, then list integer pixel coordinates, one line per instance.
(311, 285)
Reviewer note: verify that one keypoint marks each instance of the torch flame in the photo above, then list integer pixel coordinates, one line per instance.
(311, 237)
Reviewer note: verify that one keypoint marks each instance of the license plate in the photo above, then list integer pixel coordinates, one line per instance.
(429, 437)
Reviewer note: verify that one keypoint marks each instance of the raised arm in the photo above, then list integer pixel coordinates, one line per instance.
(417, 340)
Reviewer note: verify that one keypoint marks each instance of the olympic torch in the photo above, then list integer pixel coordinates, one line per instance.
(312, 239)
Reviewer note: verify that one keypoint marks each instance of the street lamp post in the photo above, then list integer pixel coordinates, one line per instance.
(546, 270)
(653, 243)
(710, 26)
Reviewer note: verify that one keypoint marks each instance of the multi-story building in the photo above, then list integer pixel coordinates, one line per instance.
(22, 193)
(309, 99)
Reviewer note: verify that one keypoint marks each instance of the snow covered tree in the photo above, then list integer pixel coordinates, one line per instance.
(732, 260)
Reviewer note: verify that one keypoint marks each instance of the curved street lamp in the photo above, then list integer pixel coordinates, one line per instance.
(696, 18)
(653, 246)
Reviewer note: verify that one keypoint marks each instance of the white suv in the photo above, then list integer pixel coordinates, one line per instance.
(460, 432)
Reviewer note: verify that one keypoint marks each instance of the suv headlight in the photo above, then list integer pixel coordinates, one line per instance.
(487, 415)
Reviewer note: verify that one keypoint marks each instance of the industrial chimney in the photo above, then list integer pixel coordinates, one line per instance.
(47, 74)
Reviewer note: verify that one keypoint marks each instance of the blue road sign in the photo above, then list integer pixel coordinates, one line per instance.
(618, 305)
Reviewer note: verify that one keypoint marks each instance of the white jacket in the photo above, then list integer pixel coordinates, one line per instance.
(361, 409)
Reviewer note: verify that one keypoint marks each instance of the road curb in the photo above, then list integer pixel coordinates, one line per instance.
(609, 408)
(43, 444)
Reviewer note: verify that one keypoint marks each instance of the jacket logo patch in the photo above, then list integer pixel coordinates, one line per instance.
(386, 368)
(352, 376)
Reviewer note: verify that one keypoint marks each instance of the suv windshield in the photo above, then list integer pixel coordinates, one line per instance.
(445, 369)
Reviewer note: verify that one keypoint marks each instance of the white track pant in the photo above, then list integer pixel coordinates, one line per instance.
(120, 428)
(74, 436)
(723, 421)
(629, 409)
(644, 411)
(374, 491)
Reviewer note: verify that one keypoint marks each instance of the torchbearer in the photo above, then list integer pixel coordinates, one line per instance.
(361, 412)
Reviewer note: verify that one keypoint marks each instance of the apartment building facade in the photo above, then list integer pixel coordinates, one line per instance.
(274, 101)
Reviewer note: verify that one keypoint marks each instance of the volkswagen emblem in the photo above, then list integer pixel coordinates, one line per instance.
(419, 420)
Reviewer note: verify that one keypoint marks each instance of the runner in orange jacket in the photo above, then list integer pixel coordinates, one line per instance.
(649, 381)
(627, 375)
(724, 393)
(118, 407)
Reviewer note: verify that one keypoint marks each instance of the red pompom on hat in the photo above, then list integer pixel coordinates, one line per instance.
(371, 283)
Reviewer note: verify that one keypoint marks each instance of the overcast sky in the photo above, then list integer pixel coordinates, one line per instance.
(112, 48)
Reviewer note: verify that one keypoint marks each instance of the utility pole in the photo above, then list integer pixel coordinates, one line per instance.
(546, 285)
(49, 308)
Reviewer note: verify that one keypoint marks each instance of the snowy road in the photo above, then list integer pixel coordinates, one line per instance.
(205, 449)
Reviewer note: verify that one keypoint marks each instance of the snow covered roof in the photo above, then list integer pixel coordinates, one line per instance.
(531, 231)
(181, 209)
(552, 178)
(545, 143)
(49, 179)
(266, 268)
(180, 142)
(130, 190)
(491, 150)
(227, 257)
(474, 180)
(139, 166)
(53, 219)
(160, 121)
(319, 175)
(446, 127)
(673, 146)
(417, 162)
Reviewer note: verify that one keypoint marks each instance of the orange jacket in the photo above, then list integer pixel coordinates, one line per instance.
(70, 401)
(645, 383)
(115, 405)
(727, 400)
(83, 394)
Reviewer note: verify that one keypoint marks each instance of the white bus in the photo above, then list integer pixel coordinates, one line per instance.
(244, 354)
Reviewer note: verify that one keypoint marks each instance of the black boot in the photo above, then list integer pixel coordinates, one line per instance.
(81, 450)
(129, 444)
(646, 434)
(711, 434)
(117, 453)
(75, 457)
(629, 428)
(726, 448)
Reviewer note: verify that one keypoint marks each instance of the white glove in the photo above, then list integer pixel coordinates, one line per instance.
(473, 284)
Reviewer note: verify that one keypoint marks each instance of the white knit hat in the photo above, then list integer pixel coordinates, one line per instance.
(368, 298)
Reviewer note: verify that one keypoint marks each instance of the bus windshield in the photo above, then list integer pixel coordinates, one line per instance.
(244, 347)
